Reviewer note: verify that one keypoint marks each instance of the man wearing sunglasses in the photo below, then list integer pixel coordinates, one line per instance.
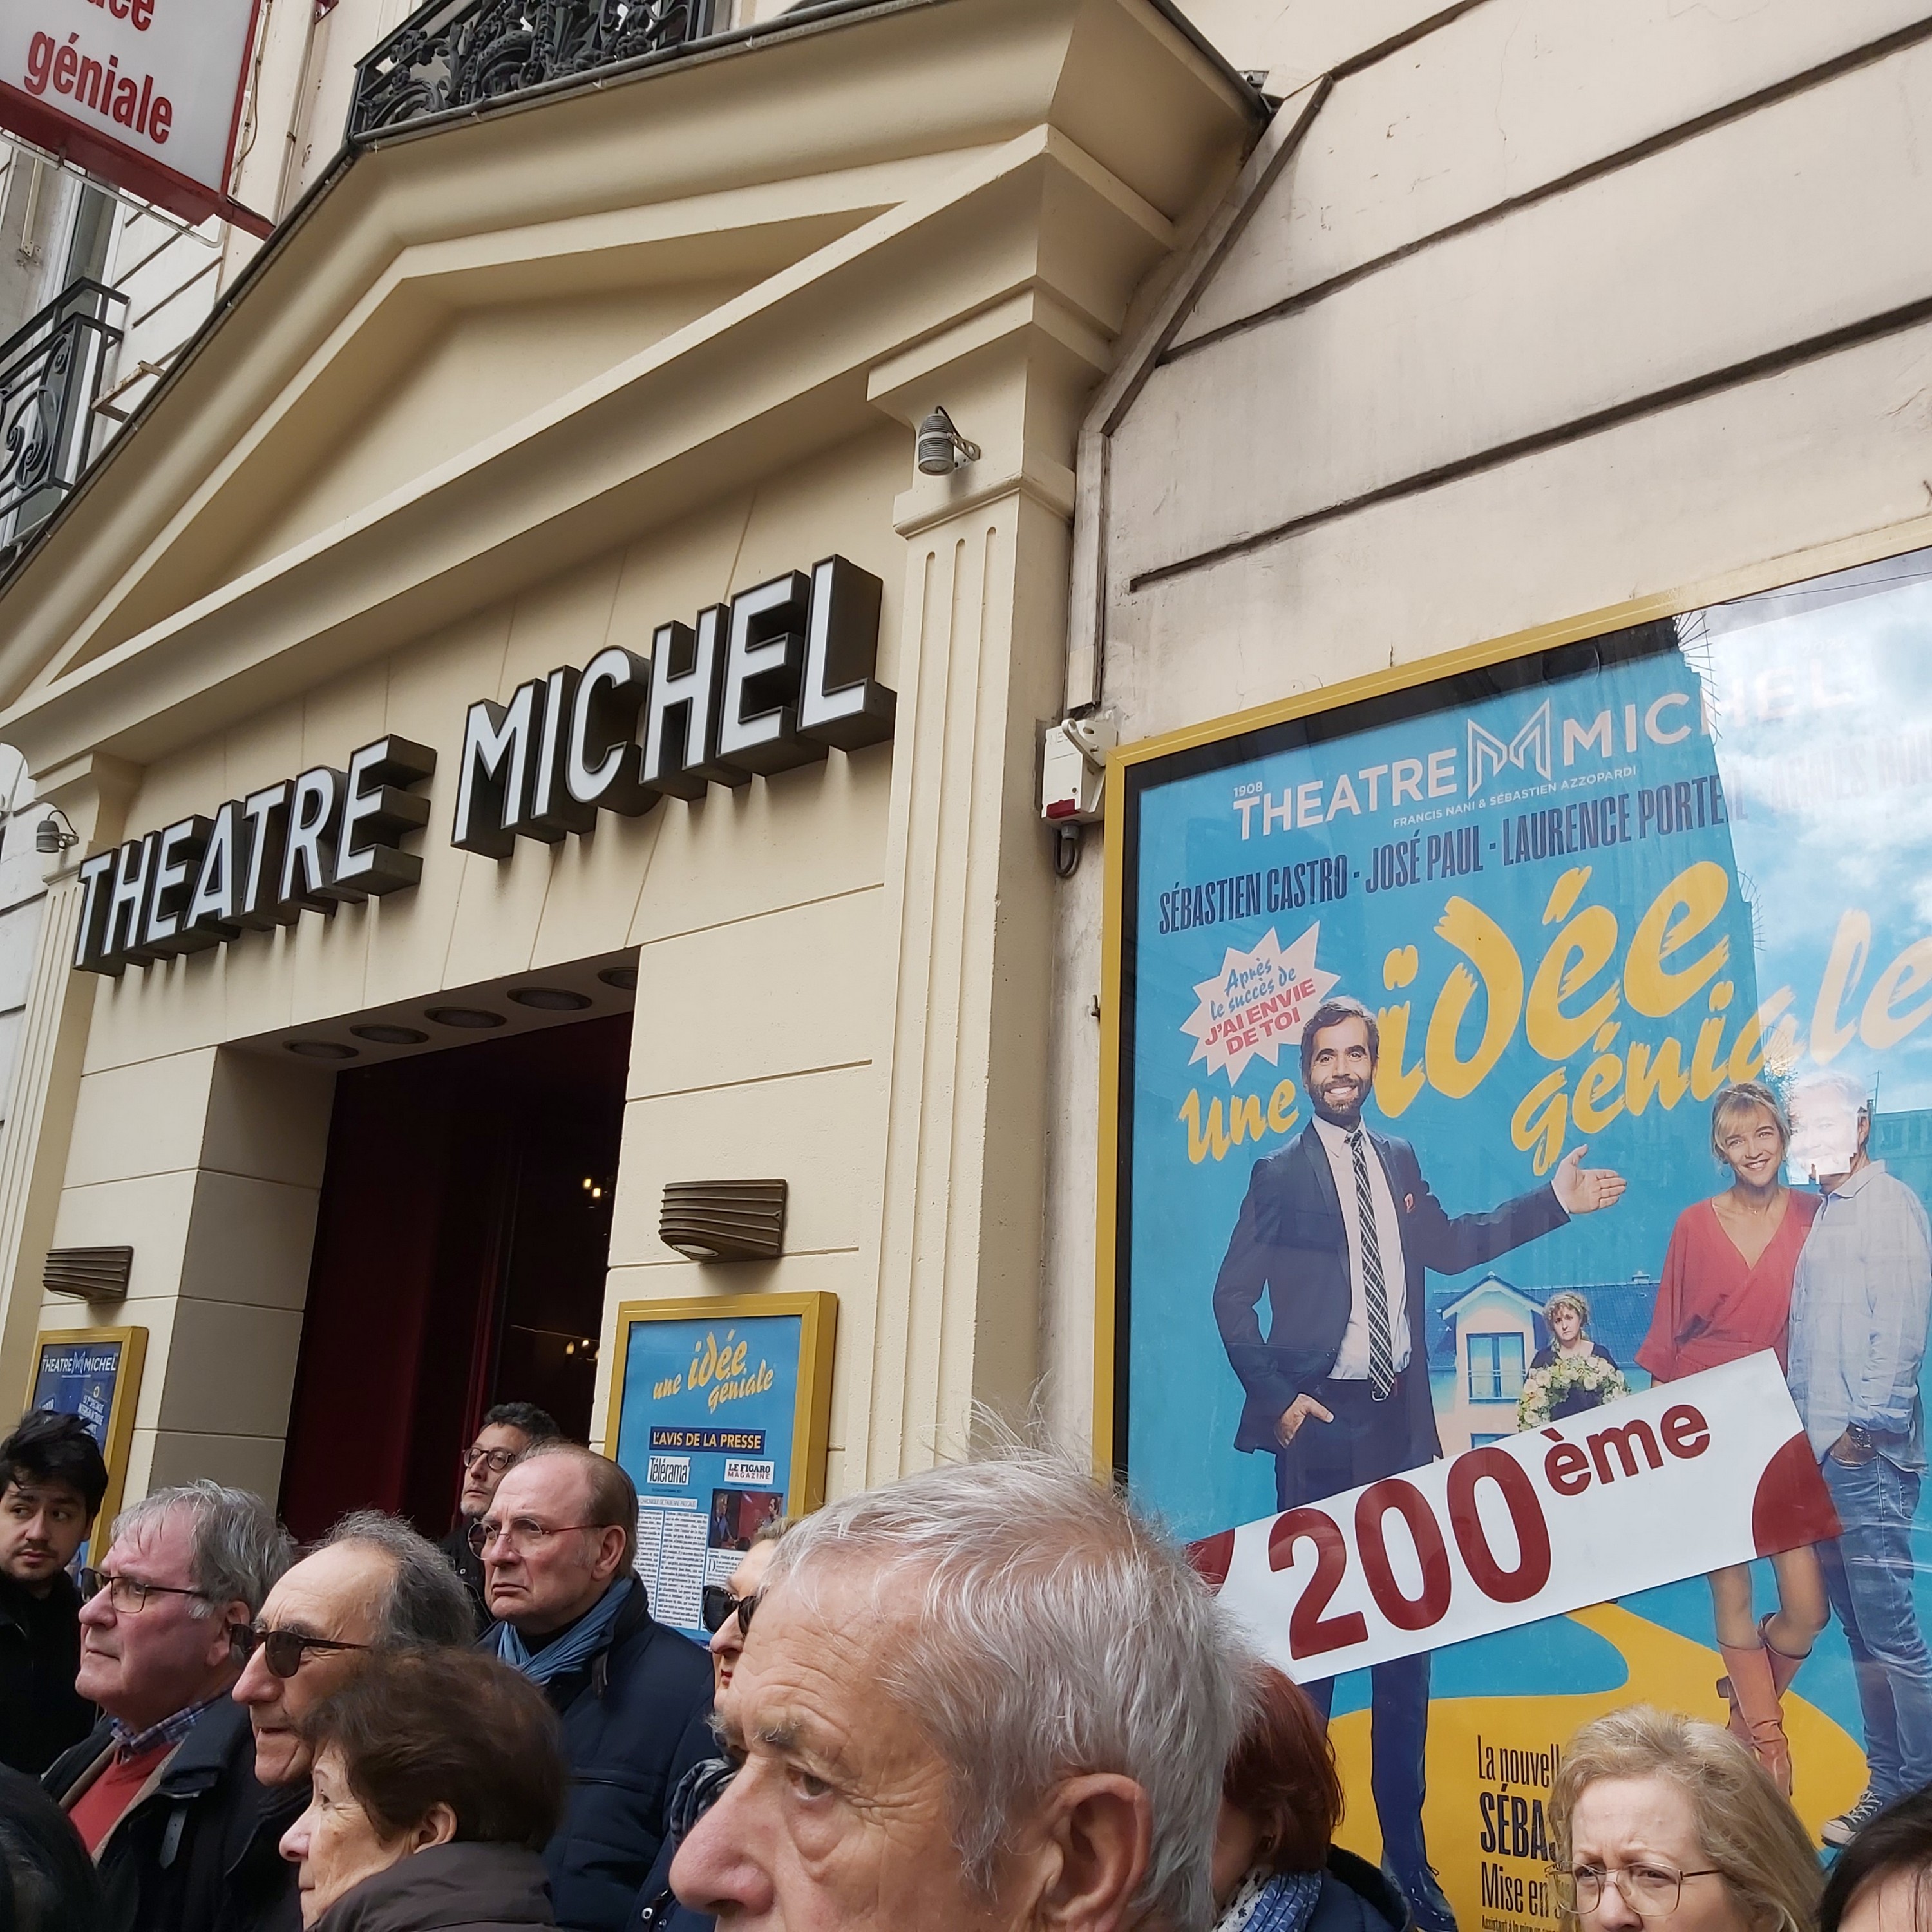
(508, 1430)
(163, 1791)
(371, 1584)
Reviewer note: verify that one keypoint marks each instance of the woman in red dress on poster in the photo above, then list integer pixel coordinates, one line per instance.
(1726, 1294)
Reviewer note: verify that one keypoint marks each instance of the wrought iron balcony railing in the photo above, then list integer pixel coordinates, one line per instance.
(50, 377)
(462, 53)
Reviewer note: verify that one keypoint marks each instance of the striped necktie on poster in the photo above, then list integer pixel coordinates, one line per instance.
(1382, 1347)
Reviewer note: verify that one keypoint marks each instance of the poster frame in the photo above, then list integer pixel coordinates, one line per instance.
(811, 1416)
(1124, 775)
(120, 1416)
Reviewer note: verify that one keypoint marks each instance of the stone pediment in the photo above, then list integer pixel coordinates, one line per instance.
(480, 352)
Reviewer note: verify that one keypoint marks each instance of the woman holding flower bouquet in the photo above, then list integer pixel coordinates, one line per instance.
(1573, 1373)
(1726, 1293)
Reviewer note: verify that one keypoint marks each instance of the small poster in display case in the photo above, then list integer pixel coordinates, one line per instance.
(719, 1410)
(94, 1373)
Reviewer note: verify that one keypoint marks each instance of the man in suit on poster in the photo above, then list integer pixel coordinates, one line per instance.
(1338, 1392)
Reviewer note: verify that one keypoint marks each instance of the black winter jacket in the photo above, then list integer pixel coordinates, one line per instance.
(1356, 1898)
(460, 1888)
(41, 1715)
(199, 1852)
(635, 1719)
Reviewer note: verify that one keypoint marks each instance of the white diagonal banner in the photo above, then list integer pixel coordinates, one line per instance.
(1688, 1476)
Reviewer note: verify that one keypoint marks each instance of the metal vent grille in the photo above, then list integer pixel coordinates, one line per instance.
(724, 1220)
(89, 1274)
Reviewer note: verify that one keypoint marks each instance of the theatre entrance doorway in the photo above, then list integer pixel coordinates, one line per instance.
(461, 1250)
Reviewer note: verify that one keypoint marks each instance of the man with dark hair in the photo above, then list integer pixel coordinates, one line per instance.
(1337, 1230)
(509, 1429)
(52, 1481)
(558, 1545)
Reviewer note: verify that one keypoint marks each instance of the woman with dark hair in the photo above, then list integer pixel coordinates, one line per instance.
(1274, 1869)
(1881, 1881)
(438, 1778)
(47, 1882)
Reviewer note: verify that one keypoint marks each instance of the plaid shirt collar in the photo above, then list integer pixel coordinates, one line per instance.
(169, 1731)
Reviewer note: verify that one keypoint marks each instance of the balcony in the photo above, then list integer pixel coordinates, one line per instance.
(456, 54)
(50, 377)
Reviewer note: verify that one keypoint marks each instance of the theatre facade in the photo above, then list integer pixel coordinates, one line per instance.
(555, 787)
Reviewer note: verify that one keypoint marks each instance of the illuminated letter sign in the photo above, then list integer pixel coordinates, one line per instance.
(147, 94)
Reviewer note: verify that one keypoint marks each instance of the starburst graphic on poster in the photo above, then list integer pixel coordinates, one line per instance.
(1258, 1004)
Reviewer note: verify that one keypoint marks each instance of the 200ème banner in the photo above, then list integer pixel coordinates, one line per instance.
(1688, 1476)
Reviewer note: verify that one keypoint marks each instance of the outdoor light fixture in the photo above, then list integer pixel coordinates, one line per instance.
(550, 999)
(55, 832)
(382, 1034)
(624, 978)
(724, 1220)
(942, 449)
(320, 1049)
(474, 1019)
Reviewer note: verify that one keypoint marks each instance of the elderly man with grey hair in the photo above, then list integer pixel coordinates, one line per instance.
(1861, 1304)
(372, 1583)
(987, 1697)
(163, 1793)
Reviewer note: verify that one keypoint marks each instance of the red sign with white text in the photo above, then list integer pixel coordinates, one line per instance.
(1556, 1518)
(145, 94)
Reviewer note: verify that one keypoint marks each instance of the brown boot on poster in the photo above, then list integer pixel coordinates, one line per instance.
(1754, 1702)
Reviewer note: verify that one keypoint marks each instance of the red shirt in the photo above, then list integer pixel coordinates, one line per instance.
(1711, 1308)
(101, 1806)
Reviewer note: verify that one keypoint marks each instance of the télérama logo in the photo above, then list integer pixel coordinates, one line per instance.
(1528, 750)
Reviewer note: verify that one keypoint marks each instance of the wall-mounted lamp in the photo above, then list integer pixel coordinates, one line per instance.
(942, 449)
(55, 832)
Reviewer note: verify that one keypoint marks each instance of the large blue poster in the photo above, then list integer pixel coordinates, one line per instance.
(1494, 1049)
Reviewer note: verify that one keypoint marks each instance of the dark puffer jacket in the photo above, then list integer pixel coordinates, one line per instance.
(447, 1889)
(636, 1718)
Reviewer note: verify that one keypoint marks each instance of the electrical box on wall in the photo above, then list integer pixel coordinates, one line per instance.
(1073, 768)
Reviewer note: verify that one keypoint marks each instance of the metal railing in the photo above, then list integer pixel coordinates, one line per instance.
(50, 378)
(462, 53)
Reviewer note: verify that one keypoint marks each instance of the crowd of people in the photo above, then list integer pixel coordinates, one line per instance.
(986, 1697)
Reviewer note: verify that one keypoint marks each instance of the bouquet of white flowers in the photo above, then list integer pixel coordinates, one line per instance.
(1543, 1388)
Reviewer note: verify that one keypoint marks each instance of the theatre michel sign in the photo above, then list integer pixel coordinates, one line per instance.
(768, 682)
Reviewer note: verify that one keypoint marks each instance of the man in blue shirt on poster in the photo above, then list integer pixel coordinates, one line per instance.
(1861, 1302)
(1337, 1230)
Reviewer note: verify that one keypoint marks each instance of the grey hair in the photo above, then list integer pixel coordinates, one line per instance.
(775, 1531)
(237, 1550)
(1854, 1093)
(426, 1602)
(1043, 1630)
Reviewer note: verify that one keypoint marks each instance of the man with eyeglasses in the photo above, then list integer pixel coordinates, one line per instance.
(163, 1793)
(52, 1481)
(558, 1545)
(371, 1584)
(508, 1430)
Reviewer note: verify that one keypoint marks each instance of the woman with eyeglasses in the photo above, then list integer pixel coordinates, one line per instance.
(438, 1778)
(1656, 1815)
(726, 1610)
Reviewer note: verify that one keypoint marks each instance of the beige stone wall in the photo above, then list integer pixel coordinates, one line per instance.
(1557, 305)
(759, 1005)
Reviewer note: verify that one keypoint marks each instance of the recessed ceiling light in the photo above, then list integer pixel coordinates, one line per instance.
(320, 1049)
(389, 1036)
(550, 999)
(474, 1018)
(624, 978)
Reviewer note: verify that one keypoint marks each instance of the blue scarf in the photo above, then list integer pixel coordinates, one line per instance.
(575, 1647)
(1276, 1902)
